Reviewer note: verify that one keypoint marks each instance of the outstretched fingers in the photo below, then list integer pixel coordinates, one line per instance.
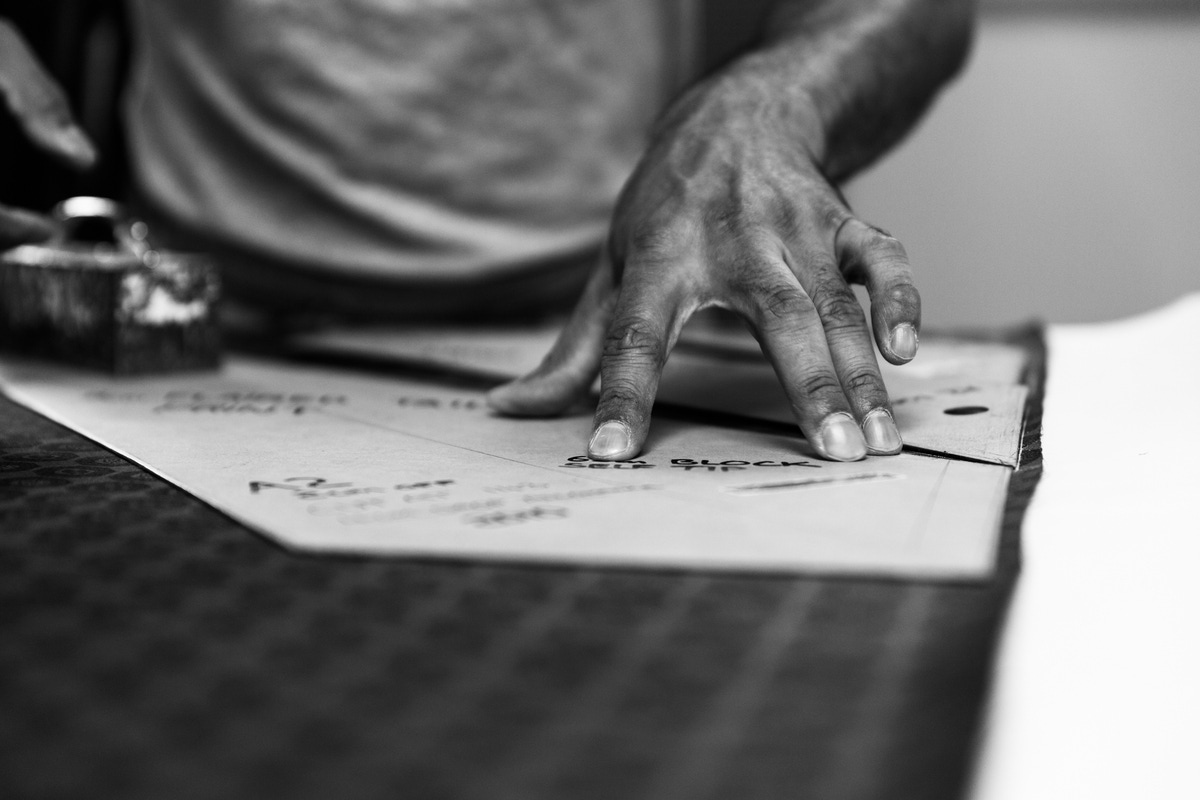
(792, 336)
(853, 356)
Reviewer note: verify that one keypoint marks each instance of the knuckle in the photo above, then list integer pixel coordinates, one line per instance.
(903, 294)
(782, 304)
(618, 394)
(819, 384)
(839, 309)
(745, 257)
(863, 381)
(788, 220)
(884, 247)
(732, 221)
(656, 241)
(634, 338)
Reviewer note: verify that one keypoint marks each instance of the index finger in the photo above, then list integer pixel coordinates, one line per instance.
(644, 328)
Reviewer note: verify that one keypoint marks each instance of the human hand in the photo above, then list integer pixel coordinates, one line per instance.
(729, 209)
(40, 107)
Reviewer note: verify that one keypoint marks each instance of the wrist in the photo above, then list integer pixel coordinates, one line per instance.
(757, 95)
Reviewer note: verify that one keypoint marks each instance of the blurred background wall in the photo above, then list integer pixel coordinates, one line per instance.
(1059, 178)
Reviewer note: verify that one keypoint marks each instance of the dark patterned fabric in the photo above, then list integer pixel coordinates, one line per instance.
(152, 648)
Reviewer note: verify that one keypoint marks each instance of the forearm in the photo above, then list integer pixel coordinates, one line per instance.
(843, 79)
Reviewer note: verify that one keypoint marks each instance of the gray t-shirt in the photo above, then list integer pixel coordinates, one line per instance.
(399, 138)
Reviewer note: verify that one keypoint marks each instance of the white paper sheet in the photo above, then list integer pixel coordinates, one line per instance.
(336, 461)
(958, 397)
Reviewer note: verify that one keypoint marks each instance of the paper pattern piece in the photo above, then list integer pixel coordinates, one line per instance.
(958, 397)
(330, 460)
(958, 417)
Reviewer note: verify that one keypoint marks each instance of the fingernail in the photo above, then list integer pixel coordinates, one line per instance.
(610, 439)
(904, 341)
(881, 433)
(75, 143)
(841, 438)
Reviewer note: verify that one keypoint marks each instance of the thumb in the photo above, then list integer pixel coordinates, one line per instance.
(38, 102)
(570, 367)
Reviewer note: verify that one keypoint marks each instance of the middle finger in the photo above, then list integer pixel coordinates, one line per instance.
(850, 347)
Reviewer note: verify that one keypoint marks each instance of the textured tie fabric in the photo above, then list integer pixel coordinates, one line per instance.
(150, 647)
